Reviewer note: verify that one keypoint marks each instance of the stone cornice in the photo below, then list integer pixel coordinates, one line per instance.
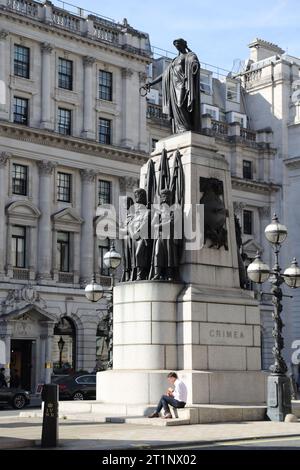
(254, 186)
(74, 144)
(293, 162)
(126, 52)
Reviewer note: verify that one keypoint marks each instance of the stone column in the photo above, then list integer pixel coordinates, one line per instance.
(88, 108)
(87, 230)
(45, 230)
(4, 56)
(32, 252)
(126, 108)
(76, 262)
(4, 157)
(8, 266)
(46, 123)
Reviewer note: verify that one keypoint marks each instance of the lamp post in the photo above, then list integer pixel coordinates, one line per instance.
(61, 344)
(94, 292)
(279, 393)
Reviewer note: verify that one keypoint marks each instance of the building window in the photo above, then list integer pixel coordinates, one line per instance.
(213, 111)
(64, 185)
(105, 85)
(18, 246)
(205, 82)
(63, 249)
(65, 74)
(233, 91)
(247, 170)
(64, 121)
(104, 192)
(247, 222)
(19, 179)
(20, 110)
(102, 250)
(104, 131)
(153, 144)
(21, 61)
(240, 118)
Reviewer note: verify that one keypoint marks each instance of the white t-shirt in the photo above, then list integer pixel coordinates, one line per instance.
(180, 391)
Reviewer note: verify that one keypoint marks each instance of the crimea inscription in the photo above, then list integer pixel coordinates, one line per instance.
(226, 334)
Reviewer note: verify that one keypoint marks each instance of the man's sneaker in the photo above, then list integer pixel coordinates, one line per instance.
(154, 415)
(168, 416)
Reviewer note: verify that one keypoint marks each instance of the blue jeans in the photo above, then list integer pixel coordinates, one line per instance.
(165, 401)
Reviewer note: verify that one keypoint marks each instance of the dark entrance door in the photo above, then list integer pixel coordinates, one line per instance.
(20, 361)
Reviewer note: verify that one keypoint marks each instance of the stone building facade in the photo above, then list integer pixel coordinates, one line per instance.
(72, 136)
(74, 133)
(271, 80)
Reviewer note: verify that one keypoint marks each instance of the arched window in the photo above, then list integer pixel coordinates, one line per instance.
(64, 347)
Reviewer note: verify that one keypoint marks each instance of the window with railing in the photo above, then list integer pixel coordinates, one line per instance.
(64, 185)
(65, 74)
(105, 85)
(20, 110)
(18, 246)
(19, 179)
(21, 61)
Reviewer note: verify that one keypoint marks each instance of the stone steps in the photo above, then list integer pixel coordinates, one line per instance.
(137, 414)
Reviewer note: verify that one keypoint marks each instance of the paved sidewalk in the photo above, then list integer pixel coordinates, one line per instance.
(105, 436)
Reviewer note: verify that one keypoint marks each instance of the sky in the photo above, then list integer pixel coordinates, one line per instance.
(218, 31)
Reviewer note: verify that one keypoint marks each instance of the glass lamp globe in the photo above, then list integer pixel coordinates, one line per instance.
(292, 275)
(112, 258)
(276, 232)
(258, 271)
(93, 291)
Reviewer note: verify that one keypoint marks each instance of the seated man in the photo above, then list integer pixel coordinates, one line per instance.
(176, 396)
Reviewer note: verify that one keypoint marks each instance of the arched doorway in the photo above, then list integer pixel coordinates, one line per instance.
(64, 347)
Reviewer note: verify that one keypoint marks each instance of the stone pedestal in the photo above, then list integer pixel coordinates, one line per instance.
(205, 327)
(211, 337)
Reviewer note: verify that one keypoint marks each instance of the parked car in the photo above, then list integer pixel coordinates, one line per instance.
(15, 397)
(76, 387)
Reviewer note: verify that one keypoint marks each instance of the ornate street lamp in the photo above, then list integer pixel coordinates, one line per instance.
(279, 392)
(61, 344)
(95, 292)
(112, 260)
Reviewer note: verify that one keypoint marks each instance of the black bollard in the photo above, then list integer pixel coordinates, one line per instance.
(50, 417)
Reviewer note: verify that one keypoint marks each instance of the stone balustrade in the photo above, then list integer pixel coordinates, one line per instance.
(83, 23)
(210, 126)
